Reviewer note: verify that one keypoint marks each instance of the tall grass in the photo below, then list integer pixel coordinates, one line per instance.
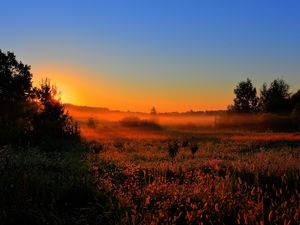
(51, 188)
(225, 183)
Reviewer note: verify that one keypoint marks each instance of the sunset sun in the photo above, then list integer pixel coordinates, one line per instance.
(150, 112)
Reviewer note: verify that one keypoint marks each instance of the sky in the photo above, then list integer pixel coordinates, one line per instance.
(175, 55)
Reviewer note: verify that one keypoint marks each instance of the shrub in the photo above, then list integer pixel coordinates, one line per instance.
(119, 143)
(91, 123)
(185, 143)
(173, 148)
(133, 121)
(194, 148)
(296, 115)
(95, 146)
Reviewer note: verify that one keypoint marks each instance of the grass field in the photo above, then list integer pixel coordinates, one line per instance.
(143, 171)
(37, 188)
(235, 177)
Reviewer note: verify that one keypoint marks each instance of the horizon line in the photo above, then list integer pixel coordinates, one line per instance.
(148, 112)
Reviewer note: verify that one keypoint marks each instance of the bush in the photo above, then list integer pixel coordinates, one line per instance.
(296, 115)
(95, 146)
(173, 148)
(194, 148)
(91, 123)
(133, 121)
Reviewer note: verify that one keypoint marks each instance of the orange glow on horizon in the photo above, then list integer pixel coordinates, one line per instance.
(79, 88)
(62, 78)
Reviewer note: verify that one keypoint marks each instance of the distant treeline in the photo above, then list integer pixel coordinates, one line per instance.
(86, 108)
(30, 116)
(197, 113)
(275, 108)
(91, 109)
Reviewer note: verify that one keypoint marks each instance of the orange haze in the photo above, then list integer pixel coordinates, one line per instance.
(83, 87)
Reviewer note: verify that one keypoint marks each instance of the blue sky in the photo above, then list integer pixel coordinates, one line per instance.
(176, 55)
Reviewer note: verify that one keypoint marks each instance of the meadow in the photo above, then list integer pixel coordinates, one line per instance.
(230, 177)
(138, 168)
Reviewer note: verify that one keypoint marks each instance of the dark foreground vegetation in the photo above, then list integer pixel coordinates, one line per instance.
(50, 175)
(51, 188)
(44, 174)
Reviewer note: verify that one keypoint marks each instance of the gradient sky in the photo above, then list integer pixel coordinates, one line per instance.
(175, 55)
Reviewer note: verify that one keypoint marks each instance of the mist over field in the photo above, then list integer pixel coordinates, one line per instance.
(150, 112)
(100, 114)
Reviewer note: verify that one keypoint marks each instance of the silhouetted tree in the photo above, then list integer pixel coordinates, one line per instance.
(153, 111)
(295, 99)
(275, 99)
(30, 115)
(296, 115)
(263, 97)
(16, 94)
(52, 122)
(295, 104)
(246, 100)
